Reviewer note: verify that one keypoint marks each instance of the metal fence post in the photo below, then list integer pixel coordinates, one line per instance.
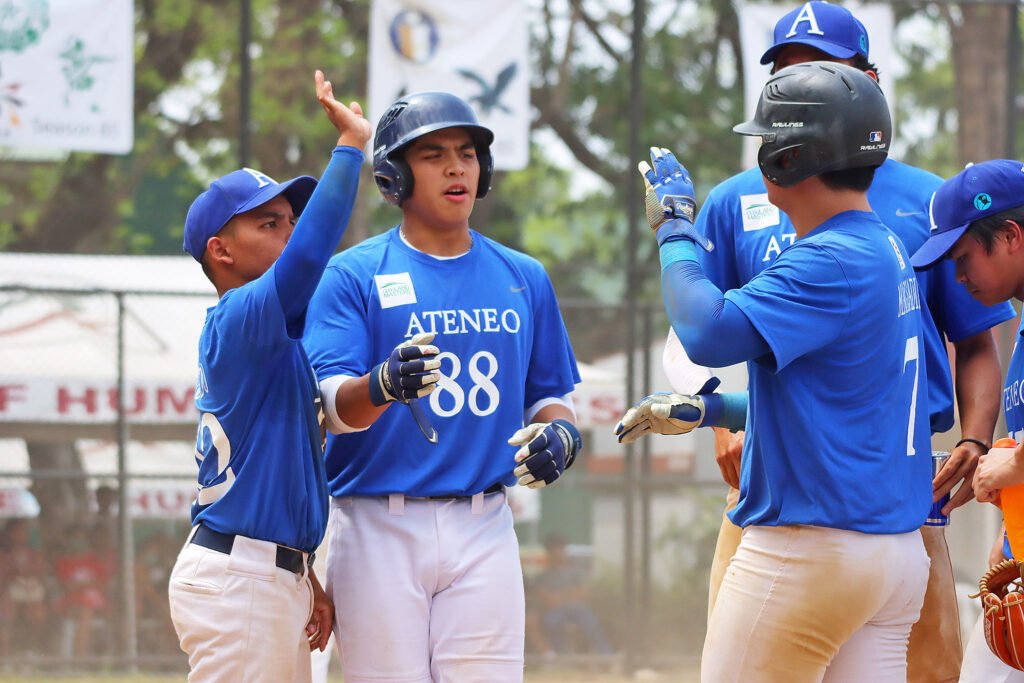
(129, 644)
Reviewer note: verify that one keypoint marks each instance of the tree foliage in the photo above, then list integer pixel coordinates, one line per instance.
(187, 109)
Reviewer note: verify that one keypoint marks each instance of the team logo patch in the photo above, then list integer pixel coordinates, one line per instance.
(758, 212)
(875, 136)
(982, 201)
(395, 290)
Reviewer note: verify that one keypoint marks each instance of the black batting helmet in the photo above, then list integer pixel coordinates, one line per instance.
(834, 114)
(412, 117)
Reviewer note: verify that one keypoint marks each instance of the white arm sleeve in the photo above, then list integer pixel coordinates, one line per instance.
(560, 400)
(684, 376)
(328, 396)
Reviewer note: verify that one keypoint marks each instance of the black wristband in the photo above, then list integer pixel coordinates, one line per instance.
(983, 445)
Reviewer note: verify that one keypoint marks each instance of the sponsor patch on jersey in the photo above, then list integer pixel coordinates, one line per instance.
(395, 290)
(758, 212)
(896, 250)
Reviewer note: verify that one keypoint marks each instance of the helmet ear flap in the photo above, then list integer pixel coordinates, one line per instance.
(783, 165)
(394, 180)
(483, 155)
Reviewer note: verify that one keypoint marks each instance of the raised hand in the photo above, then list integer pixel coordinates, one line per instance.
(354, 129)
(671, 207)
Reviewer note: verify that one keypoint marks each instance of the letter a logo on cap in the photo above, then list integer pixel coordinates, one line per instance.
(806, 14)
(262, 178)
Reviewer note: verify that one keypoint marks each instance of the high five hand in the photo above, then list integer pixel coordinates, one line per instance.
(355, 131)
(671, 207)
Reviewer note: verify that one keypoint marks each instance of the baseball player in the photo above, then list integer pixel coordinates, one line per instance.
(749, 233)
(830, 572)
(978, 218)
(243, 601)
(424, 563)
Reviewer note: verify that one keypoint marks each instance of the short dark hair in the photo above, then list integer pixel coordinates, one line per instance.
(986, 229)
(857, 62)
(864, 64)
(858, 179)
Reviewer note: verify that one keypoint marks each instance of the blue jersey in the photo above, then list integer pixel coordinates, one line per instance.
(749, 234)
(836, 434)
(260, 473)
(1013, 391)
(503, 348)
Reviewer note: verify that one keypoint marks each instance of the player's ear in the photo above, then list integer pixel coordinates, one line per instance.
(218, 249)
(1014, 234)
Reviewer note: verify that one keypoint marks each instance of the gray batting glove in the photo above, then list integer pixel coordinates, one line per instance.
(661, 414)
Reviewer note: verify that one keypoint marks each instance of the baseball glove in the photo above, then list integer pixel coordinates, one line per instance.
(1002, 601)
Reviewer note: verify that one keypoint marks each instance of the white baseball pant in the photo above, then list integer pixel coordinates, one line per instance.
(426, 591)
(980, 663)
(240, 618)
(934, 652)
(803, 604)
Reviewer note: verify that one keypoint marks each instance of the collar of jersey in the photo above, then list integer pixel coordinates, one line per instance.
(844, 216)
(399, 239)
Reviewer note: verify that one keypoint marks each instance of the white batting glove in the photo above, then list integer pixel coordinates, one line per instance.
(661, 414)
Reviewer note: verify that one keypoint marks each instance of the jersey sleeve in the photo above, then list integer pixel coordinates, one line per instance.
(958, 314)
(337, 336)
(251, 316)
(316, 234)
(552, 371)
(717, 222)
(799, 304)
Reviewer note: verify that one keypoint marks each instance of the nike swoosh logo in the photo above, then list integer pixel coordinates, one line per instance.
(516, 289)
(903, 214)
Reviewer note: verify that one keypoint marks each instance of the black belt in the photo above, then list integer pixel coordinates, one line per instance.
(495, 488)
(287, 558)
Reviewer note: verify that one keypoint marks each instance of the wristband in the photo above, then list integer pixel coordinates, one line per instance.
(985, 447)
(378, 396)
(571, 439)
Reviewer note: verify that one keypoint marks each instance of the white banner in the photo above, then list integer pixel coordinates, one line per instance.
(66, 74)
(476, 50)
(757, 24)
(83, 401)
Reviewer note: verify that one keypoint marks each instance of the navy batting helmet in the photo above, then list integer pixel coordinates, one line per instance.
(832, 115)
(412, 117)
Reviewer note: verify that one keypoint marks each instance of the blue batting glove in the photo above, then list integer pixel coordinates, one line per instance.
(547, 449)
(670, 205)
(409, 372)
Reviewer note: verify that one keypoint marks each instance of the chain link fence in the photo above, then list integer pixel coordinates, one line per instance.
(97, 473)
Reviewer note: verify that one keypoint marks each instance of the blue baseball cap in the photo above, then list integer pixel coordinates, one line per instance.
(822, 25)
(235, 193)
(978, 191)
